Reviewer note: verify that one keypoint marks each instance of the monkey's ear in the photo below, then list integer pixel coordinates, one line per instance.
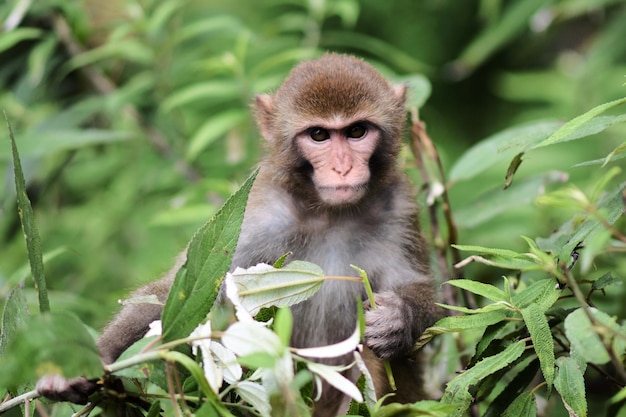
(264, 105)
(399, 91)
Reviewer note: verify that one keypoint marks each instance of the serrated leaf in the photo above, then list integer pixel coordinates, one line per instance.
(485, 290)
(208, 259)
(544, 292)
(570, 383)
(457, 390)
(539, 330)
(50, 343)
(606, 280)
(264, 286)
(524, 405)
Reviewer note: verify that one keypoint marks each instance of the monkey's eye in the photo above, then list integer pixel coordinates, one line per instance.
(356, 131)
(318, 134)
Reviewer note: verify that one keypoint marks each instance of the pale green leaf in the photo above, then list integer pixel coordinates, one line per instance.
(541, 336)
(418, 90)
(499, 147)
(591, 342)
(570, 383)
(264, 286)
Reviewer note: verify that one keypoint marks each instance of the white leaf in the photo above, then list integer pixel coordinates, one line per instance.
(370, 391)
(331, 351)
(337, 380)
(255, 394)
(232, 293)
(155, 329)
(246, 338)
(227, 359)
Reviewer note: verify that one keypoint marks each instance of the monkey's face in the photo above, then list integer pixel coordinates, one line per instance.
(339, 151)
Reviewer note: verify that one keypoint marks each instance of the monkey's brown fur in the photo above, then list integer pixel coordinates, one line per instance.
(335, 202)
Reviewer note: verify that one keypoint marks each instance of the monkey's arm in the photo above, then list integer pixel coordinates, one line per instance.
(400, 318)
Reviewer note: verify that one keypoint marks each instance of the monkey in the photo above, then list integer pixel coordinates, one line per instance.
(329, 191)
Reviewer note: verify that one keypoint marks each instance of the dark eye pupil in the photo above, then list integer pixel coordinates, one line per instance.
(319, 134)
(356, 131)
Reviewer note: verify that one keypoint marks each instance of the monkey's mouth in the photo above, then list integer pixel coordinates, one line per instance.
(342, 194)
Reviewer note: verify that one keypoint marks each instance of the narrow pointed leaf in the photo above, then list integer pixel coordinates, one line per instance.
(488, 291)
(541, 336)
(31, 234)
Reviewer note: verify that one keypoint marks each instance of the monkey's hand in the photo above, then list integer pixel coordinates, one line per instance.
(75, 390)
(388, 328)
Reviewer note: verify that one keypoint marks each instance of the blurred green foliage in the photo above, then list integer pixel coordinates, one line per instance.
(133, 122)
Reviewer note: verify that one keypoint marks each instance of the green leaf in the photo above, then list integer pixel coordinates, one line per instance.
(129, 50)
(496, 201)
(488, 291)
(513, 21)
(208, 91)
(29, 227)
(40, 143)
(12, 38)
(502, 258)
(14, 317)
(570, 383)
(573, 128)
(208, 259)
(591, 340)
(418, 89)
(50, 343)
(563, 241)
(537, 325)
(499, 147)
(544, 292)
(524, 405)
(283, 324)
(457, 390)
(460, 323)
(606, 280)
(213, 129)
